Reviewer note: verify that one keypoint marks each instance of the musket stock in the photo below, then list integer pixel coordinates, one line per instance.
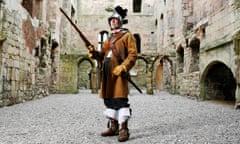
(85, 40)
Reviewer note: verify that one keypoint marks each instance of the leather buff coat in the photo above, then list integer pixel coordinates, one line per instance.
(117, 86)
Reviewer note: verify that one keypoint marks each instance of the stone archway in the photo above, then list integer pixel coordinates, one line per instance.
(195, 50)
(84, 73)
(159, 76)
(180, 59)
(163, 73)
(218, 83)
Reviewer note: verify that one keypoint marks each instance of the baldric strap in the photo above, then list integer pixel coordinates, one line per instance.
(113, 40)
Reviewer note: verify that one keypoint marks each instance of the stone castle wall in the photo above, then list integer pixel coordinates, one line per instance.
(213, 24)
(23, 75)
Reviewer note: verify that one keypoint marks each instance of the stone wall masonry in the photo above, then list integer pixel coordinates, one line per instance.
(21, 78)
(220, 22)
(68, 74)
(188, 84)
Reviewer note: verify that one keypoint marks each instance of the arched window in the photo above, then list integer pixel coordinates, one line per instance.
(195, 46)
(102, 36)
(180, 59)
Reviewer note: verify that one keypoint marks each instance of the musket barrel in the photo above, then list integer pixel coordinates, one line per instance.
(87, 43)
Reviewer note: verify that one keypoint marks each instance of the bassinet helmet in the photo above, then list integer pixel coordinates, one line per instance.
(120, 14)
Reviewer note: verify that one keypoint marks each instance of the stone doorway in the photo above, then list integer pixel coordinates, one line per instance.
(218, 83)
(85, 67)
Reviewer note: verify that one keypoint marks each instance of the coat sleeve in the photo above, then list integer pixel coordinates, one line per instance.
(131, 48)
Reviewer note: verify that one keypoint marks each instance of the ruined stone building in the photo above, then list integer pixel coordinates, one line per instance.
(29, 38)
(201, 39)
(186, 47)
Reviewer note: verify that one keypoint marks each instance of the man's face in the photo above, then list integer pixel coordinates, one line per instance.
(115, 24)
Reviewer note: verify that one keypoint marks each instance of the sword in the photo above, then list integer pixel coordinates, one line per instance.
(126, 75)
(129, 80)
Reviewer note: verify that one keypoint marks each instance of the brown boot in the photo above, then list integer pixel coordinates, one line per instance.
(112, 129)
(123, 133)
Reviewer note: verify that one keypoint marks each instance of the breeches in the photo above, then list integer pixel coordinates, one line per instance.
(116, 103)
(117, 109)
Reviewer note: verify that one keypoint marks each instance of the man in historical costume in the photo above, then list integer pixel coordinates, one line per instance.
(118, 56)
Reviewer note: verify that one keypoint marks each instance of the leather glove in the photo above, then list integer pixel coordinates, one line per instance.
(119, 69)
(91, 51)
(90, 54)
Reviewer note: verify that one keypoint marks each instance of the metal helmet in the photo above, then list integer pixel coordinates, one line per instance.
(120, 14)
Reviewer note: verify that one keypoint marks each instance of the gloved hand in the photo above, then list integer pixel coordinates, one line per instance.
(91, 51)
(119, 69)
(90, 54)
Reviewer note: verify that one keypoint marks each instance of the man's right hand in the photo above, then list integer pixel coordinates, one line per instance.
(91, 51)
(90, 54)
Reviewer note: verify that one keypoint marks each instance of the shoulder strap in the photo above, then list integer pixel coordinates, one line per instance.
(114, 50)
(113, 39)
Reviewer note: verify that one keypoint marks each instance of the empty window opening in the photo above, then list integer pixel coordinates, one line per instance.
(187, 41)
(28, 5)
(138, 42)
(137, 5)
(72, 12)
(180, 59)
(161, 16)
(33, 7)
(204, 32)
(195, 46)
(36, 54)
(156, 22)
(102, 36)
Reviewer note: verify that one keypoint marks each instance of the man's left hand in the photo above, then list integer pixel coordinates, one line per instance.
(119, 69)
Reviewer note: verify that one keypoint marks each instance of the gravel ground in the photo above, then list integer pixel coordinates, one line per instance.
(157, 119)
